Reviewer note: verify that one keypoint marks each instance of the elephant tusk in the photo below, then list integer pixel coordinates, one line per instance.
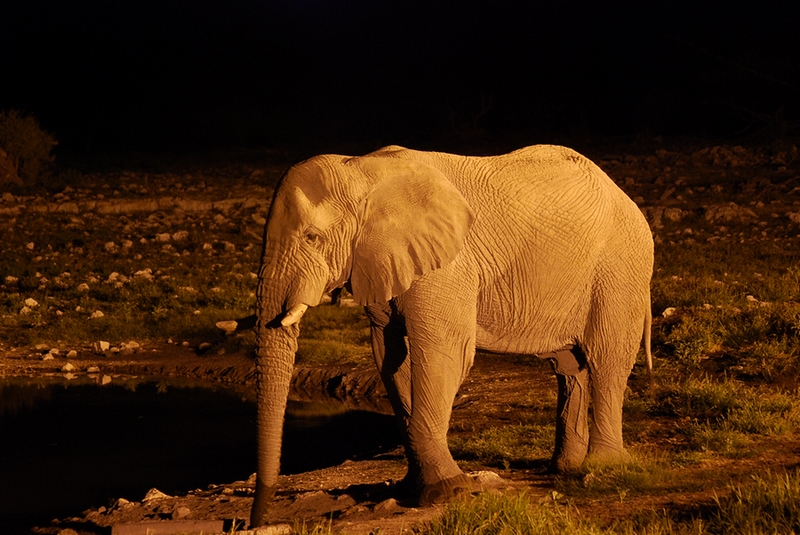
(294, 314)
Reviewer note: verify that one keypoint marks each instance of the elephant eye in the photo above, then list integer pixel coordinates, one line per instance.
(312, 238)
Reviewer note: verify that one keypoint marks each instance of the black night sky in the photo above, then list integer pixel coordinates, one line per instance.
(197, 75)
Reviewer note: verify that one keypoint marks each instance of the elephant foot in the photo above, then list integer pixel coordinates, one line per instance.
(563, 464)
(446, 489)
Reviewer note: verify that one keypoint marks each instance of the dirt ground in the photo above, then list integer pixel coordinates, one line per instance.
(356, 496)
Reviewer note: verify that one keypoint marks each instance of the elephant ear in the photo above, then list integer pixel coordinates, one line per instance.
(413, 221)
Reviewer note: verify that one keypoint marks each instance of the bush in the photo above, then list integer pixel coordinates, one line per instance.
(24, 149)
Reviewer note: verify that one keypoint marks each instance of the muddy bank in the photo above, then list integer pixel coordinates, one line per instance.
(356, 388)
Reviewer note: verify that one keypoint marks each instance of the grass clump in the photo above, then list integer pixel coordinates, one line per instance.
(513, 445)
(492, 514)
(768, 504)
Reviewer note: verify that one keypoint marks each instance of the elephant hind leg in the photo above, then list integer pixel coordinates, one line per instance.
(572, 428)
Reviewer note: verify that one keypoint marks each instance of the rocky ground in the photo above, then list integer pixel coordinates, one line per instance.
(690, 193)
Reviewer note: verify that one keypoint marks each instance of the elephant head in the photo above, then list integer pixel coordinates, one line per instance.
(373, 224)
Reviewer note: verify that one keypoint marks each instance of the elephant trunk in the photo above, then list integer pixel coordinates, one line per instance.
(275, 350)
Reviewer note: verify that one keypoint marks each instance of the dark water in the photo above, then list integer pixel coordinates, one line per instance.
(65, 447)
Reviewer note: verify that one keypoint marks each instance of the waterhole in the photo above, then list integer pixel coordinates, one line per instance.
(65, 447)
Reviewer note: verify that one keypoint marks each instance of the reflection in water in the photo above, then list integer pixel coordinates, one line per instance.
(65, 446)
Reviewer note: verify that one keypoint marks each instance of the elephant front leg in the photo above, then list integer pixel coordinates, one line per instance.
(572, 428)
(440, 324)
(389, 349)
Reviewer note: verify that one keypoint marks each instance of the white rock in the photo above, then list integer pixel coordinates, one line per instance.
(30, 246)
(487, 478)
(196, 312)
(145, 273)
(96, 314)
(83, 287)
(127, 244)
(55, 352)
(92, 369)
(204, 346)
(67, 367)
(105, 380)
(113, 277)
(110, 247)
(11, 279)
(101, 346)
(669, 311)
(72, 354)
(154, 494)
(25, 311)
(180, 235)
(31, 303)
(228, 326)
(207, 246)
(48, 356)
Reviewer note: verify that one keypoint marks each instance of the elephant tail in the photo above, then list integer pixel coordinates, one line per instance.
(648, 327)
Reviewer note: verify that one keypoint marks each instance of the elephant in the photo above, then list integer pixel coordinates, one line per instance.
(534, 252)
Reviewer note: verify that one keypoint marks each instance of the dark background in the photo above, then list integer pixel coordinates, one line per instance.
(197, 75)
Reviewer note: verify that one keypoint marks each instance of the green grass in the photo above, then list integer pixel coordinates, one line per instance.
(768, 504)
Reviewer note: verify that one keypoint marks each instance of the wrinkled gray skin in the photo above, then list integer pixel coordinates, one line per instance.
(527, 253)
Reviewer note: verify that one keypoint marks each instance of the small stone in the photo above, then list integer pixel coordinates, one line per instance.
(31, 303)
(197, 312)
(229, 247)
(67, 368)
(207, 247)
(127, 244)
(25, 311)
(78, 308)
(386, 506)
(106, 379)
(180, 235)
(145, 273)
(229, 326)
(204, 346)
(11, 279)
(92, 369)
(487, 478)
(751, 299)
(30, 246)
(96, 314)
(154, 494)
(101, 346)
(55, 352)
(69, 376)
(181, 512)
(113, 277)
(48, 356)
(669, 311)
(164, 237)
(83, 287)
(110, 247)
(185, 343)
